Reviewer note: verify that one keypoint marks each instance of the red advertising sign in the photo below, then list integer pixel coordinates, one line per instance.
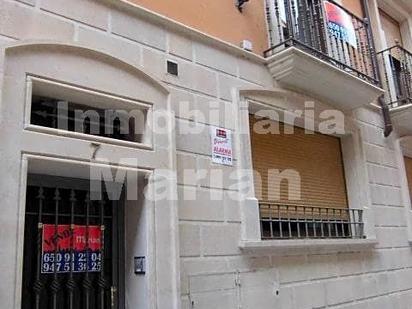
(58, 242)
(340, 23)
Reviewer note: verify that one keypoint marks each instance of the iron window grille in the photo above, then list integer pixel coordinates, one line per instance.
(280, 221)
(93, 121)
(303, 24)
(396, 64)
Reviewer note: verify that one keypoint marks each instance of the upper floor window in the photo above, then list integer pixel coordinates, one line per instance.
(396, 64)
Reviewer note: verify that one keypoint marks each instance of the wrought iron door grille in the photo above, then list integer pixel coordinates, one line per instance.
(279, 221)
(396, 64)
(304, 24)
(66, 278)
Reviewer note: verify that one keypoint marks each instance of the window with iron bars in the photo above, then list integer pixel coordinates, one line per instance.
(280, 221)
(64, 109)
(81, 118)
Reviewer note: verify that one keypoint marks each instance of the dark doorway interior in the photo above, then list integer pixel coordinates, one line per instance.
(73, 246)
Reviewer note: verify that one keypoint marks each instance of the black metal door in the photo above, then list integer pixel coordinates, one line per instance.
(72, 247)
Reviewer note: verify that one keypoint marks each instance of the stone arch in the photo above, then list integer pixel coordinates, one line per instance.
(79, 64)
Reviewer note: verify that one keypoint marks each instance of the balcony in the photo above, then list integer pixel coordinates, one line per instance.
(279, 221)
(396, 68)
(321, 49)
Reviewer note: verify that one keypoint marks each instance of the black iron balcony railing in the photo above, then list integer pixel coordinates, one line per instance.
(325, 30)
(396, 68)
(280, 221)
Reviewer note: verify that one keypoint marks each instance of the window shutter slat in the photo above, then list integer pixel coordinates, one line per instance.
(316, 157)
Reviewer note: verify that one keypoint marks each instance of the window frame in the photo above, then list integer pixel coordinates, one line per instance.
(126, 104)
(355, 169)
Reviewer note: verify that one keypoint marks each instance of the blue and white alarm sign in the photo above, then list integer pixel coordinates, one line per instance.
(222, 152)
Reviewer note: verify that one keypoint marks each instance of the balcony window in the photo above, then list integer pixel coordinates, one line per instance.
(396, 65)
(327, 31)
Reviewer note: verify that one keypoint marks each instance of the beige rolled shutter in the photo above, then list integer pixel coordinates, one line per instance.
(316, 157)
(408, 168)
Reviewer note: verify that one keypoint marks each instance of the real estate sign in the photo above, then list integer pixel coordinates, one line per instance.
(340, 23)
(64, 250)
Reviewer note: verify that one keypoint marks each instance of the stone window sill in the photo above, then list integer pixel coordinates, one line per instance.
(307, 245)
